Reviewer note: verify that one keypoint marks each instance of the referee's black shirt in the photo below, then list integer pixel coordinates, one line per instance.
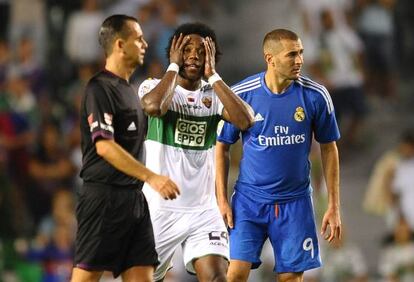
(110, 110)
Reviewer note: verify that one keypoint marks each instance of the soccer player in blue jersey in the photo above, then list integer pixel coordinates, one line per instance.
(272, 196)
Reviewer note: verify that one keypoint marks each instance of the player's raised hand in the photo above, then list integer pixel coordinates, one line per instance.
(226, 213)
(333, 219)
(210, 61)
(164, 186)
(177, 49)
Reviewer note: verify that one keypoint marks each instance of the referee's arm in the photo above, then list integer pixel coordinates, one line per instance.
(114, 154)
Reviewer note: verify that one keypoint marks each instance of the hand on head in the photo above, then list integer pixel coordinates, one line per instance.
(177, 49)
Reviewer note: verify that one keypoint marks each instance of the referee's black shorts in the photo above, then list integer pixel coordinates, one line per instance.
(114, 229)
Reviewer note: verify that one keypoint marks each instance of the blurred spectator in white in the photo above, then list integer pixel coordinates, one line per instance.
(403, 182)
(81, 38)
(376, 25)
(339, 69)
(378, 199)
(312, 9)
(343, 262)
(396, 262)
(28, 18)
(126, 7)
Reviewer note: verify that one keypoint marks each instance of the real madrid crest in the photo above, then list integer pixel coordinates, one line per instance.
(299, 114)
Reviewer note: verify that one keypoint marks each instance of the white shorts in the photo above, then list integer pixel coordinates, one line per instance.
(198, 233)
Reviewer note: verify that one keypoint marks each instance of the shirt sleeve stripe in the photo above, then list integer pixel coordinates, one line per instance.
(320, 89)
(246, 84)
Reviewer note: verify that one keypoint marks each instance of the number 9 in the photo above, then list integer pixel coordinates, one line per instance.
(308, 246)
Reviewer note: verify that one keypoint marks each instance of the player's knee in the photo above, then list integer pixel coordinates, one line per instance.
(237, 276)
(290, 277)
(213, 277)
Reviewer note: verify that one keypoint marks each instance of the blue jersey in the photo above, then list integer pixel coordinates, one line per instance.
(275, 167)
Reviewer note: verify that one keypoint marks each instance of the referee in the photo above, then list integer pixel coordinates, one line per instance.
(114, 227)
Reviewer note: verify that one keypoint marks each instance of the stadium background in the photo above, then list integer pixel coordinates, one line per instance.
(48, 50)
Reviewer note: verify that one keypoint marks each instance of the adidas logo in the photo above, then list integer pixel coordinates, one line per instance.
(258, 117)
(132, 127)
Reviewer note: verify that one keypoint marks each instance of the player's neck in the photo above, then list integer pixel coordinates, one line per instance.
(118, 68)
(276, 84)
(188, 84)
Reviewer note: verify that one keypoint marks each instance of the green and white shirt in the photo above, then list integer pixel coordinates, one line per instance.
(181, 145)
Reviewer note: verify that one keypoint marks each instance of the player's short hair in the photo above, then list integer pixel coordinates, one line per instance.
(112, 28)
(276, 35)
(194, 28)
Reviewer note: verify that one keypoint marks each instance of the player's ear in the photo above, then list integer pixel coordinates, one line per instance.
(268, 58)
(119, 44)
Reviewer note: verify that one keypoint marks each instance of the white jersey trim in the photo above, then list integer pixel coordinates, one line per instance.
(246, 84)
(305, 82)
(247, 89)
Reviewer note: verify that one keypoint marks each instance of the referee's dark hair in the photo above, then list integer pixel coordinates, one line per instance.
(194, 28)
(112, 28)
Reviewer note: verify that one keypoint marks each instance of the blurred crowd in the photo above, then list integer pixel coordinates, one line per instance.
(48, 51)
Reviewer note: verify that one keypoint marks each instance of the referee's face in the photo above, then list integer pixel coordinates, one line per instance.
(135, 45)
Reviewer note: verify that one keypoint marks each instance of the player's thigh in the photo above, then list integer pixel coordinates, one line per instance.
(294, 237)
(208, 236)
(138, 274)
(170, 230)
(81, 275)
(250, 229)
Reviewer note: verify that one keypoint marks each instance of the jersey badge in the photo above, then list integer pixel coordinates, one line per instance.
(207, 101)
(299, 115)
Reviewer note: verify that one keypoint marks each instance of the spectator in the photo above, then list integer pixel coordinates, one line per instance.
(397, 256)
(340, 51)
(28, 18)
(403, 184)
(81, 39)
(376, 26)
(49, 169)
(378, 198)
(344, 262)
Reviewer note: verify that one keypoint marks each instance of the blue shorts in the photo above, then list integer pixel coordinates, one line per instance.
(289, 226)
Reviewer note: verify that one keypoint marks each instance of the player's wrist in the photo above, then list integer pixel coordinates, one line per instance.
(173, 67)
(214, 78)
(222, 199)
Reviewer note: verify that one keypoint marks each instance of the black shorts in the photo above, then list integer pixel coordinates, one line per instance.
(349, 101)
(114, 229)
